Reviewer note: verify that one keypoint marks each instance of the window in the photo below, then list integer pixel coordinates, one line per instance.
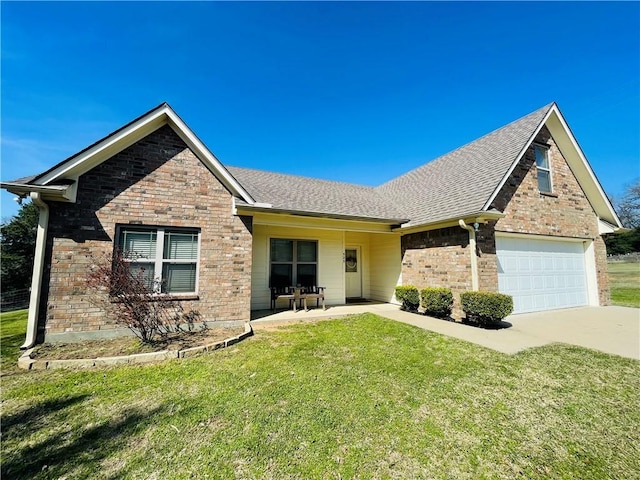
(293, 262)
(543, 167)
(167, 258)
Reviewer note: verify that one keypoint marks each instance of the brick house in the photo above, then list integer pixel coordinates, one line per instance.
(517, 211)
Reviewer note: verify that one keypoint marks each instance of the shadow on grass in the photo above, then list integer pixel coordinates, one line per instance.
(59, 447)
(36, 417)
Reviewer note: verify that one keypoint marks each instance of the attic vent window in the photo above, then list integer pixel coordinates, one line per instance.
(543, 167)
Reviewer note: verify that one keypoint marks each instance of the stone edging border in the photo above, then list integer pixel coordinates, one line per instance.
(27, 363)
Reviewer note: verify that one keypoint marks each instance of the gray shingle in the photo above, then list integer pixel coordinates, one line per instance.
(456, 184)
(310, 195)
(461, 182)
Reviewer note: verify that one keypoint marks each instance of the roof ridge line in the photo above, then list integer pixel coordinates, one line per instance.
(431, 162)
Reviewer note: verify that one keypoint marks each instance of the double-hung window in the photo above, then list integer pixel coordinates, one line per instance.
(544, 168)
(293, 262)
(166, 258)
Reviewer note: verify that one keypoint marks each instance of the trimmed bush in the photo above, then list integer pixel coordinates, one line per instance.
(486, 308)
(436, 301)
(409, 296)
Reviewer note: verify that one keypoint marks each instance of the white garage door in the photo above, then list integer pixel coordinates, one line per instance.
(541, 274)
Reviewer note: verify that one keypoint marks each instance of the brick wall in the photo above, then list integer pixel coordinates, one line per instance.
(158, 182)
(566, 212)
(438, 258)
(441, 258)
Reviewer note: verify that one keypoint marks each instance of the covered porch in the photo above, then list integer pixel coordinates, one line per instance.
(283, 315)
(354, 261)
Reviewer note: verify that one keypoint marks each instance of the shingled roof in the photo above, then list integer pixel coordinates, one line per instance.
(457, 184)
(462, 181)
(317, 197)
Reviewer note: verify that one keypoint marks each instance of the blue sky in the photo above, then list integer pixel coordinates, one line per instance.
(357, 92)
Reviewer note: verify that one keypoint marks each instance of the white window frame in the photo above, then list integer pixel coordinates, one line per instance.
(159, 261)
(545, 150)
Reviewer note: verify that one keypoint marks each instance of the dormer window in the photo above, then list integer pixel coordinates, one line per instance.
(544, 168)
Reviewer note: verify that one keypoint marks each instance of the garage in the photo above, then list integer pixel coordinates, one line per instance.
(541, 274)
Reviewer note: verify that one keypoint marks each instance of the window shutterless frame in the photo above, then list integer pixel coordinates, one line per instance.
(543, 166)
(293, 262)
(171, 255)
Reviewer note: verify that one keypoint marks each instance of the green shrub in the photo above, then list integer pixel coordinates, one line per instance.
(409, 296)
(486, 308)
(436, 301)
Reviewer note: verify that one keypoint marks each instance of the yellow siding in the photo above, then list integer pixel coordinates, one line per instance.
(330, 261)
(385, 265)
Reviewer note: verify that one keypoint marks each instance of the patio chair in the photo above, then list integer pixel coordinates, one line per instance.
(286, 293)
(311, 293)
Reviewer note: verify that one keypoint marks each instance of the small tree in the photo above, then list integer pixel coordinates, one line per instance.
(130, 300)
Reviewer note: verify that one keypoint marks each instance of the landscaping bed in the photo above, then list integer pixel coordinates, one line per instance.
(120, 346)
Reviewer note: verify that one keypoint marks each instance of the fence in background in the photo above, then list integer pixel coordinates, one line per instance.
(633, 257)
(14, 300)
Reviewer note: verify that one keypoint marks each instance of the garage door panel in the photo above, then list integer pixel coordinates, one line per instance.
(541, 274)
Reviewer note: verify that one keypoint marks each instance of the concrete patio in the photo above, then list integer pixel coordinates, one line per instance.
(614, 330)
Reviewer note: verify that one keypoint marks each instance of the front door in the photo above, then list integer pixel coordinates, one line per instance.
(352, 272)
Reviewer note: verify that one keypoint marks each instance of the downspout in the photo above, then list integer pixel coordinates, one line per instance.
(38, 268)
(472, 252)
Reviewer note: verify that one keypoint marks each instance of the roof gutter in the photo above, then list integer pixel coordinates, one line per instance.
(64, 193)
(38, 268)
(482, 216)
(267, 208)
(472, 252)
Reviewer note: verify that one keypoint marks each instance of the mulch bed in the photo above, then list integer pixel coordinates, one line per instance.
(119, 346)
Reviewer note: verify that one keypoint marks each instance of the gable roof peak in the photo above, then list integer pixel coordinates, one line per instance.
(462, 180)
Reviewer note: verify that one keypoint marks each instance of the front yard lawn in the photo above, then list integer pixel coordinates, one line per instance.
(359, 397)
(625, 284)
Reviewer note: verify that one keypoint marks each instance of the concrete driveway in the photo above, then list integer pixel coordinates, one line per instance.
(608, 329)
(613, 330)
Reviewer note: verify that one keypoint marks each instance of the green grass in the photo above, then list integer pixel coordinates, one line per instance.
(13, 326)
(625, 284)
(360, 397)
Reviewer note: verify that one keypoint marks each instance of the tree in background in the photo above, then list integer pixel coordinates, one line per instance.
(628, 210)
(17, 248)
(628, 206)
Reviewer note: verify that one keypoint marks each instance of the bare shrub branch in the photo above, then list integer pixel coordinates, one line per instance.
(130, 299)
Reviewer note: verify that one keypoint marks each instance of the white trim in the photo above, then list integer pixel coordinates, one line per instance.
(38, 267)
(591, 270)
(60, 193)
(587, 167)
(582, 170)
(548, 169)
(115, 143)
(533, 236)
(517, 159)
(158, 259)
(605, 227)
(108, 147)
(479, 217)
